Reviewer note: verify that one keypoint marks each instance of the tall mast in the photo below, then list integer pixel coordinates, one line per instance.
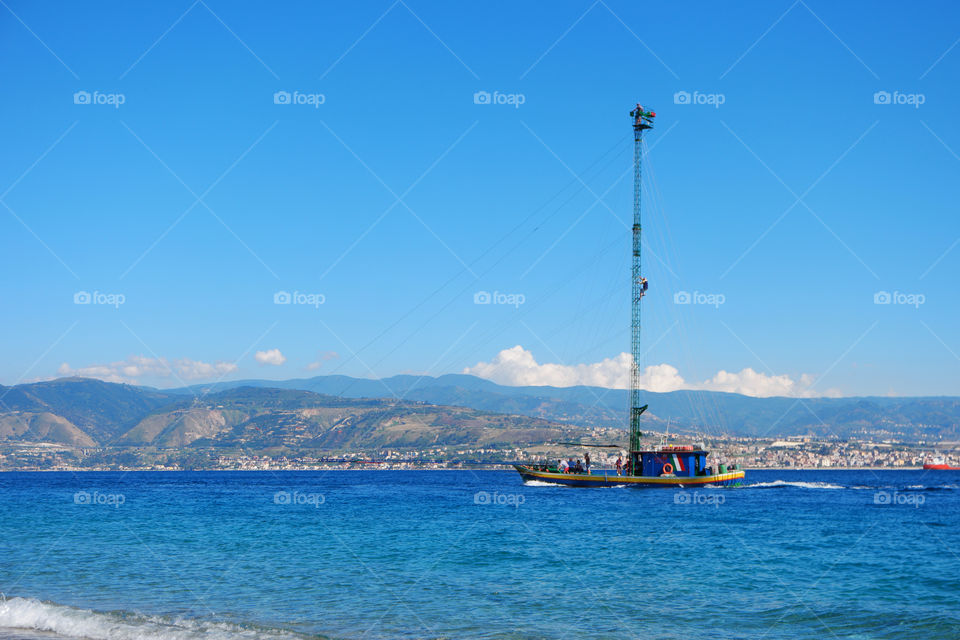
(642, 119)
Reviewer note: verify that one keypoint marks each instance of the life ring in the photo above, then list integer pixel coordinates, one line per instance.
(668, 468)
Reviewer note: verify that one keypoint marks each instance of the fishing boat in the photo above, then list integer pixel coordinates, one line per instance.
(666, 466)
(661, 466)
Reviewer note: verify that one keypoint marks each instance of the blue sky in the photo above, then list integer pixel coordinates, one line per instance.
(784, 196)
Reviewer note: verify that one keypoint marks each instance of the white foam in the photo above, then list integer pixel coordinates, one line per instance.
(540, 483)
(802, 485)
(24, 613)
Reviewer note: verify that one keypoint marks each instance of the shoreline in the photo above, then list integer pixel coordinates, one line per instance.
(478, 468)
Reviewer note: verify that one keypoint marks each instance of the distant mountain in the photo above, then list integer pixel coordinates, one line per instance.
(102, 411)
(339, 411)
(710, 411)
(251, 419)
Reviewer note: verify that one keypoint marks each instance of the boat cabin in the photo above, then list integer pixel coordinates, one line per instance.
(683, 461)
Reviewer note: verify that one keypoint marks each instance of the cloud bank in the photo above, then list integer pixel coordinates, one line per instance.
(517, 367)
(130, 371)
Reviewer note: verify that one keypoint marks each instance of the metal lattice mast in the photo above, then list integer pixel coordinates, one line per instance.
(642, 119)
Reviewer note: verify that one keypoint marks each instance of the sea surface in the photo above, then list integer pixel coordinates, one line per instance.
(461, 554)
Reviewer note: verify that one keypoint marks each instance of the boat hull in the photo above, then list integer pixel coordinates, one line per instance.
(940, 467)
(604, 479)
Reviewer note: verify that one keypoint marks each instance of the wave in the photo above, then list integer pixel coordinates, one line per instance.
(942, 487)
(801, 485)
(910, 487)
(28, 613)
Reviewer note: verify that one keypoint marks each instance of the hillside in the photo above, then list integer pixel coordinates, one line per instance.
(713, 412)
(255, 419)
(339, 413)
(101, 411)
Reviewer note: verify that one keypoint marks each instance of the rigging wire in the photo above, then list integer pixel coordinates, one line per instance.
(703, 407)
(574, 181)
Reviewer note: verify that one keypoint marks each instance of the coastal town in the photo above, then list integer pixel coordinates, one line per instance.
(801, 452)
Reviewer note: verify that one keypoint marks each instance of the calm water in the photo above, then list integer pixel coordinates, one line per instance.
(264, 556)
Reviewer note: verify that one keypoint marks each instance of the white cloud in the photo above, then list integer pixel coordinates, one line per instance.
(517, 367)
(272, 357)
(750, 383)
(322, 357)
(134, 368)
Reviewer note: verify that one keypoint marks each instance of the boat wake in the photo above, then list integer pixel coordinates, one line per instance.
(776, 484)
(540, 483)
(34, 615)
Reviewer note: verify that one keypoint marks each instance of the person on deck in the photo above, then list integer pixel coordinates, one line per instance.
(563, 466)
(586, 461)
(619, 465)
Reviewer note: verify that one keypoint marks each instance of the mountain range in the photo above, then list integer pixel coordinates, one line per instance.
(89, 413)
(342, 413)
(704, 411)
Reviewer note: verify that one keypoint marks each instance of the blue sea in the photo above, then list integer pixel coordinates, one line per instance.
(461, 554)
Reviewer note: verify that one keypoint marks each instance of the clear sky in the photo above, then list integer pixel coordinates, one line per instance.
(785, 191)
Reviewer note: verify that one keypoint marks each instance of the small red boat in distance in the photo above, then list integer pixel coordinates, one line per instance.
(939, 464)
